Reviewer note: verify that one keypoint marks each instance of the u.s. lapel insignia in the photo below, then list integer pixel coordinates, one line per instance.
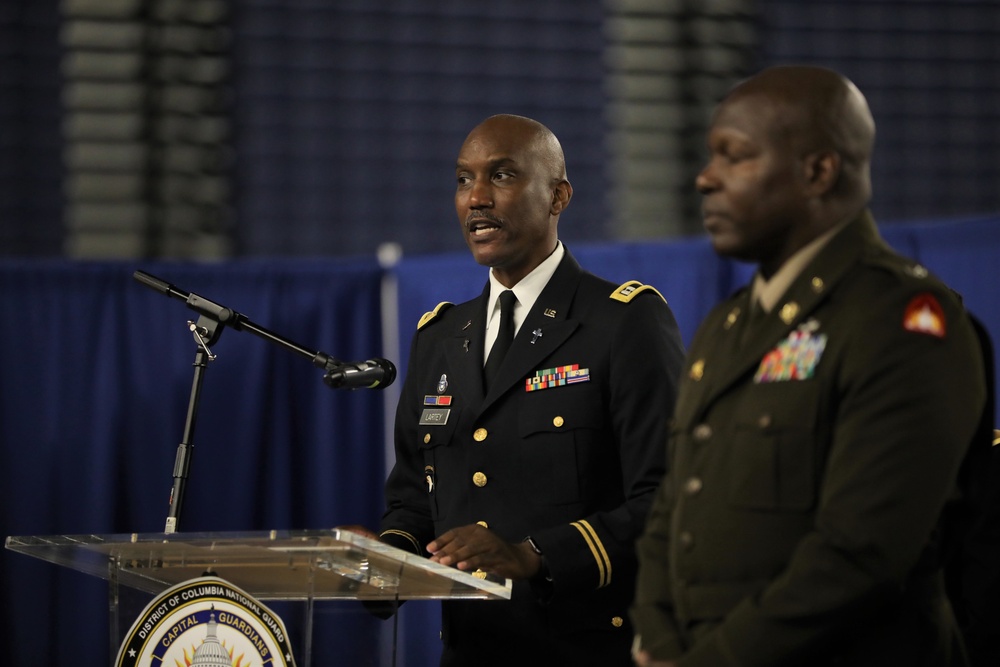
(557, 377)
(548, 312)
(925, 315)
(788, 312)
(794, 358)
(731, 318)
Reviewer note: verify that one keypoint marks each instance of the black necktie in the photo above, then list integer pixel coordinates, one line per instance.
(505, 335)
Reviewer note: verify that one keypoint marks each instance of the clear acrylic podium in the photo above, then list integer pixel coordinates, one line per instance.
(300, 566)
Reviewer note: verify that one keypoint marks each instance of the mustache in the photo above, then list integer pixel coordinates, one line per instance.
(478, 216)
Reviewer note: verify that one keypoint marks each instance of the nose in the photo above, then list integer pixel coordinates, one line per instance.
(480, 194)
(706, 180)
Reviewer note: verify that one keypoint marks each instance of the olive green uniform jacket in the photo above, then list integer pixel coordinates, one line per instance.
(809, 463)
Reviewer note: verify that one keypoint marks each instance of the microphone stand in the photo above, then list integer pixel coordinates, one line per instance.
(213, 318)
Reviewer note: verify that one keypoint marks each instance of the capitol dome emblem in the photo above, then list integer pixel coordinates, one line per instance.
(206, 622)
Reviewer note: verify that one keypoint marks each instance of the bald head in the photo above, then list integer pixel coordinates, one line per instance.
(529, 135)
(789, 154)
(819, 110)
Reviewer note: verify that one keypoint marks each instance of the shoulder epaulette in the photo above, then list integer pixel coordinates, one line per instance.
(628, 291)
(903, 268)
(430, 315)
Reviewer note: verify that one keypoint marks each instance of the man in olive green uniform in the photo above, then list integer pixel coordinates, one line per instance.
(823, 414)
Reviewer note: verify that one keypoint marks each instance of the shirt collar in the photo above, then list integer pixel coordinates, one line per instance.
(527, 290)
(768, 292)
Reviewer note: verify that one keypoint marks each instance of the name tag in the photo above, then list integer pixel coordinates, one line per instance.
(434, 416)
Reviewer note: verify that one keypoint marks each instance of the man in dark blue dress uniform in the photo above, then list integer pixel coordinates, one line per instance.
(542, 472)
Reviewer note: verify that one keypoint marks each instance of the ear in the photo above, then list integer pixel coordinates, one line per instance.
(822, 170)
(561, 194)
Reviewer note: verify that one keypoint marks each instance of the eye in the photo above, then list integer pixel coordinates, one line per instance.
(462, 179)
(738, 151)
(502, 176)
(733, 157)
(731, 150)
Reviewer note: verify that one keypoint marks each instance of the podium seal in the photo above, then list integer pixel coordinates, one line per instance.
(206, 621)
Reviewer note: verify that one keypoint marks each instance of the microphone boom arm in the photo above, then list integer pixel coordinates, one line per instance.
(228, 317)
(213, 318)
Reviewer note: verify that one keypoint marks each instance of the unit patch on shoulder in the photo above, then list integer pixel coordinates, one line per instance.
(430, 315)
(925, 315)
(628, 291)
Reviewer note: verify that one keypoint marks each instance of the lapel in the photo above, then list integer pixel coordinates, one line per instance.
(464, 350)
(726, 362)
(524, 354)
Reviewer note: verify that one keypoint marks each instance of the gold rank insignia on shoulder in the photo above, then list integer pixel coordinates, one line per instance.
(432, 314)
(633, 288)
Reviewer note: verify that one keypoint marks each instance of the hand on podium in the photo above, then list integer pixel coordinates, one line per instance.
(474, 547)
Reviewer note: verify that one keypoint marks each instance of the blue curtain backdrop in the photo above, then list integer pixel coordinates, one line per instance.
(94, 384)
(96, 371)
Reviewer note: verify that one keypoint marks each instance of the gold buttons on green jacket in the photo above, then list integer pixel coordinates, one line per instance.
(686, 540)
(479, 479)
(558, 422)
(702, 432)
(788, 312)
(731, 318)
(692, 485)
(617, 621)
(480, 434)
(483, 524)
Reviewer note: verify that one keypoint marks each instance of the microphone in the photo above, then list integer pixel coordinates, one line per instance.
(371, 374)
